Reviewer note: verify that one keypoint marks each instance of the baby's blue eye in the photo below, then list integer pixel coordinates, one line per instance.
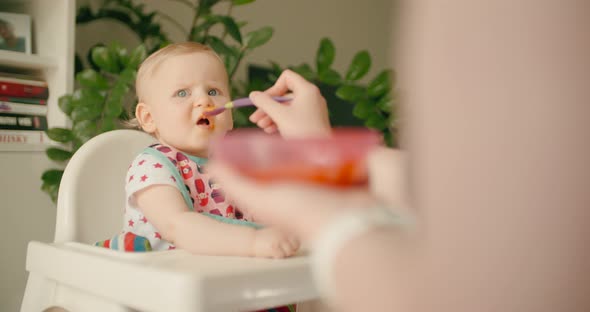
(181, 93)
(212, 92)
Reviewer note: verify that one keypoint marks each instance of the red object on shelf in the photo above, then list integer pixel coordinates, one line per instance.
(15, 89)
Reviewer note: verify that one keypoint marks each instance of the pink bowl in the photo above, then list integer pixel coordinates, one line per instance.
(338, 160)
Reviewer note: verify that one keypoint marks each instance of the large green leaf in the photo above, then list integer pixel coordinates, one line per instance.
(258, 37)
(219, 46)
(104, 60)
(202, 27)
(52, 189)
(325, 55)
(52, 176)
(377, 121)
(359, 67)
(85, 130)
(65, 104)
(351, 93)
(330, 77)
(381, 84)
(58, 154)
(304, 70)
(118, 54)
(51, 179)
(363, 109)
(108, 124)
(231, 27)
(123, 56)
(62, 135)
(385, 103)
(89, 78)
(114, 105)
(86, 112)
(136, 57)
(88, 105)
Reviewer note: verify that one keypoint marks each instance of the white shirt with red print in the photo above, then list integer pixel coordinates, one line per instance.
(147, 170)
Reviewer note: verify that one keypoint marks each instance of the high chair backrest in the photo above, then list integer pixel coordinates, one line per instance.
(91, 199)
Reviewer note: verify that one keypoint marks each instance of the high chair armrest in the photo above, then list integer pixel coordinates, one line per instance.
(173, 280)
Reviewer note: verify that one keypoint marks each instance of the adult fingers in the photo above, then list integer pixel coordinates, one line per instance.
(257, 115)
(265, 102)
(288, 81)
(388, 176)
(271, 129)
(265, 122)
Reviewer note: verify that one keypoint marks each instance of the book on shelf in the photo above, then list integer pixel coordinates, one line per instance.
(22, 79)
(23, 137)
(11, 88)
(22, 108)
(22, 122)
(22, 88)
(23, 100)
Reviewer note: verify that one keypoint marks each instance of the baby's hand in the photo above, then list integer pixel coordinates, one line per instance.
(272, 243)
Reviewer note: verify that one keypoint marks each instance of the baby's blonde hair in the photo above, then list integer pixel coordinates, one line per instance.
(151, 64)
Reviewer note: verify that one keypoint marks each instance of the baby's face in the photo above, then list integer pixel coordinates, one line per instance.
(179, 92)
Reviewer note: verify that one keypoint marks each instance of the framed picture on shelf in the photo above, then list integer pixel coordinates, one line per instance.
(15, 32)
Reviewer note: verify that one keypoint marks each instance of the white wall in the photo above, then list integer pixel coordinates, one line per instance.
(299, 26)
(27, 216)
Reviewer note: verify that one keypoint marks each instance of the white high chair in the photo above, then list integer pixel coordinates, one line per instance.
(72, 274)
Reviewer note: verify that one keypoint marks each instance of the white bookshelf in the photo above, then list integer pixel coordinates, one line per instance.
(26, 61)
(27, 212)
(53, 25)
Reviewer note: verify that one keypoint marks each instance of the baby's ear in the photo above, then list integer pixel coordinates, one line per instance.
(145, 118)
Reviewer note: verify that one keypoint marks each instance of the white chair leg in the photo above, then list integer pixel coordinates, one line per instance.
(72, 300)
(39, 294)
(45, 295)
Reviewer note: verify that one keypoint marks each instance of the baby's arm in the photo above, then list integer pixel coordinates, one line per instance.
(164, 207)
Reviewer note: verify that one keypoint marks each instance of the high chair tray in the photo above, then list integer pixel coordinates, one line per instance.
(173, 280)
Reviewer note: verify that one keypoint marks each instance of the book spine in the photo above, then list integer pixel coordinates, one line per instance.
(22, 122)
(25, 81)
(20, 108)
(23, 90)
(26, 137)
(23, 100)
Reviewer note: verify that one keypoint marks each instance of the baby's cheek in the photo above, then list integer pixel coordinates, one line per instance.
(225, 121)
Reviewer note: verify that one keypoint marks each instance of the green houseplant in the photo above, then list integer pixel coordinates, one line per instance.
(105, 91)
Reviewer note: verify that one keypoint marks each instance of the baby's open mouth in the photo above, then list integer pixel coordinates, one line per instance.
(204, 122)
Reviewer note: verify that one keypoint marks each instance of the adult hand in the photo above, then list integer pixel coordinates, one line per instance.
(298, 208)
(305, 116)
(304, 209)
(388, 177)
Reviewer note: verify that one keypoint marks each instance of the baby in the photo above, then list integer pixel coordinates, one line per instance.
(171, 200)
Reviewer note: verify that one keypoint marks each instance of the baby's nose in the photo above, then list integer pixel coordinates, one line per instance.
(203, 101)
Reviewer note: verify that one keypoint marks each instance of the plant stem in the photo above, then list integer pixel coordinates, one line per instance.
(231, 6)
(233, 70)
(174, 22)
(195, 18)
